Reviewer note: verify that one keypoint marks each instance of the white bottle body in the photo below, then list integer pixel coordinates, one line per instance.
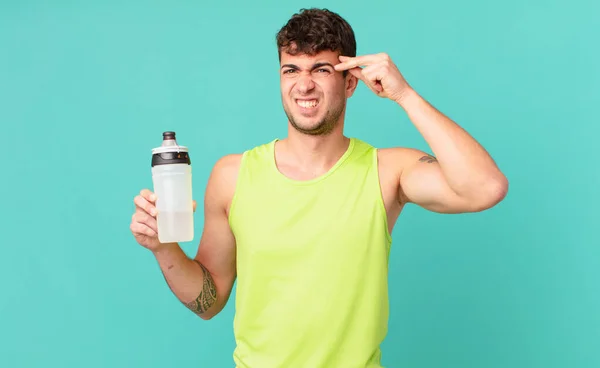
(174, 202)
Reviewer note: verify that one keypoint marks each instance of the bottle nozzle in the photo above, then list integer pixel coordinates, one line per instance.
(169, 135)
(169, 139)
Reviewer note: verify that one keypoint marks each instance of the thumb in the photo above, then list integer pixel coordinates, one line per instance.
(194, 206)
(357, 72)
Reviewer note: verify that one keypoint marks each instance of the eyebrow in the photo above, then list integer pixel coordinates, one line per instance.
(315, 66)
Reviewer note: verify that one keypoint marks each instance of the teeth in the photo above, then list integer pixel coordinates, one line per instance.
(307, 103)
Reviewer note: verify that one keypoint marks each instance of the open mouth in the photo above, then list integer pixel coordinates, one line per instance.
(308, 104)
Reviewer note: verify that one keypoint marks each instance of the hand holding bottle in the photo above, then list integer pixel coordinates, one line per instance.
(143, 222)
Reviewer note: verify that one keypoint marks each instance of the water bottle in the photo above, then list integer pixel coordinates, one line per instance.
(172, 180)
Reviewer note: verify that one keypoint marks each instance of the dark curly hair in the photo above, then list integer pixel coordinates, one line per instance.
(314, 30)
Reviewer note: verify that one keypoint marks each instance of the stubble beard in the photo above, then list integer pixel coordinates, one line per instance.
(324, 127)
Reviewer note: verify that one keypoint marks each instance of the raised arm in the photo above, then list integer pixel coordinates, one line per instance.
(459, 175)
(462, 177)
(203, 284)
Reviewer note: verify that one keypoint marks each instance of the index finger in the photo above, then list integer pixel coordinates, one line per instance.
(353, 62)
(148, 195)
(142, 204)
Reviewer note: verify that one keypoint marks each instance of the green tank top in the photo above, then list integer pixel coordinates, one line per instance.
(312, 264)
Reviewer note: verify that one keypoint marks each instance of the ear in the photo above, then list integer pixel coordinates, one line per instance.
(351, 83)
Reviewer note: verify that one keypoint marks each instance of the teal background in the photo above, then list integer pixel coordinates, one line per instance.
(87, 88)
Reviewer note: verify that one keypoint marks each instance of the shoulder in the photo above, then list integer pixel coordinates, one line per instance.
(391, 161)
(223, 177)
(390, 157)
(401, 153)
(228, 165)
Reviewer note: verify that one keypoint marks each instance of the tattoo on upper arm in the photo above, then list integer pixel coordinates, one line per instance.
(207, 296)
(428, 158)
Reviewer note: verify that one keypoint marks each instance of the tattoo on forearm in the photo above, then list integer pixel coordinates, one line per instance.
(428, 158)
(207, 296)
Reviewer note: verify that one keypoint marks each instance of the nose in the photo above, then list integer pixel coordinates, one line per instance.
(304, 84)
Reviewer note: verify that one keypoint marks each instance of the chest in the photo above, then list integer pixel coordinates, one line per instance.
(324, 220)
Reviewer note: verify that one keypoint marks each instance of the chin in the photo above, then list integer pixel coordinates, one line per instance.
(317, 127)
(315, 122)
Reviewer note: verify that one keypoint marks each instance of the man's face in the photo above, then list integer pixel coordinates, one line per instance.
(313, 92)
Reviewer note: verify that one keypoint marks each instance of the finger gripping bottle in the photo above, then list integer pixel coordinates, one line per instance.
(172, 180)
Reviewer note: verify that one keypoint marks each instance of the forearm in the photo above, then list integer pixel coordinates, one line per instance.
(467, 167)
(189, 280)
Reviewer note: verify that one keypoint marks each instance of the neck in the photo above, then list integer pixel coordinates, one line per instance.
(315, 154)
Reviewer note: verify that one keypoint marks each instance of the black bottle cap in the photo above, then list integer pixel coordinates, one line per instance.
(170, 152)
(169, 158)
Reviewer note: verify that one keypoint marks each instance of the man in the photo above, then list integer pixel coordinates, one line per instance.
(304, 223)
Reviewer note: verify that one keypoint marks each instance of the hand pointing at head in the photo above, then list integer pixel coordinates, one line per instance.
(378, 72)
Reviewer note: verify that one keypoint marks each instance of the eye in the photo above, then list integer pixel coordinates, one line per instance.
(323, 70)
(288, 71)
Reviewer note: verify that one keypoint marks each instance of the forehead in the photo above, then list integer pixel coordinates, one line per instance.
(305, 60)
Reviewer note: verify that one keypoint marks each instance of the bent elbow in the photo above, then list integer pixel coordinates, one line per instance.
(211, 312)
(499, 189)
(206, 316)
(493, 193)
